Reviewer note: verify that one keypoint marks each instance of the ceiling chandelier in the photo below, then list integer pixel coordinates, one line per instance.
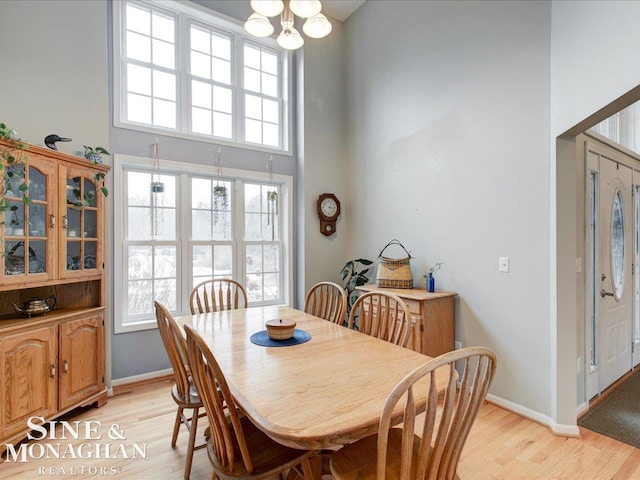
(316, 24)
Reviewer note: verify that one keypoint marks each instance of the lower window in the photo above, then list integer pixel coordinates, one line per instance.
(181, 225)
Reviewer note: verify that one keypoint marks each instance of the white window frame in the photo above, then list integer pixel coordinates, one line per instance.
(187, 13)
(123, 163)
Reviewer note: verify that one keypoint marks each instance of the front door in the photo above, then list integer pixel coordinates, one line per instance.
(614, 318)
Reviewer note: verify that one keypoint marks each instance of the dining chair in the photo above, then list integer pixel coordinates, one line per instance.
(400, 453)
(327, 300)
(217, 294)
(183, 392)
(382, 315)
(237, 448)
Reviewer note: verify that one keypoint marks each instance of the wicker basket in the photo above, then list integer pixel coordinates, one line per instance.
(394, 272)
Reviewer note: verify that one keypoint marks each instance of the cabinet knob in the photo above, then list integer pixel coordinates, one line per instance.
(65, 367)
(52, 370)
(65, 222)
(52, 221)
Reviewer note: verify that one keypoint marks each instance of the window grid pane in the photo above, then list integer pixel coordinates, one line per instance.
(151, 244)
(150, 52)
(213, 260)
(211, 73)
(262, 250)
(152, 275)
(211, 209)
(262, 106)
(262, 273)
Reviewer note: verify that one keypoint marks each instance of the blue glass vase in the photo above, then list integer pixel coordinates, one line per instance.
(431, 283)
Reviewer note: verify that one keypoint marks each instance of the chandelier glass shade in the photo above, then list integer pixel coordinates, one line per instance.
(258, 25)
(316, 24)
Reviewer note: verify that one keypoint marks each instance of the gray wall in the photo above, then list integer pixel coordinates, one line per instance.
(54, 71)
(322, 159)
(448, 121)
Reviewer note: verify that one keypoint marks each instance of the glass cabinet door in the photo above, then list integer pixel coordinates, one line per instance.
(80, 224)
(29, 220)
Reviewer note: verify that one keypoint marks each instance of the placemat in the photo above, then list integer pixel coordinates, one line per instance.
(262, 338)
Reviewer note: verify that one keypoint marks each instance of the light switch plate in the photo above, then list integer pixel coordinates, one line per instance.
(503, 264)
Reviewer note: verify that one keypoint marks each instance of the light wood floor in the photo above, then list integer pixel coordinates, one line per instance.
(501, 445)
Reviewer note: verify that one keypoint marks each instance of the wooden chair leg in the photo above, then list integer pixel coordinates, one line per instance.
(193, 429)
(176, 427)
(308, 471)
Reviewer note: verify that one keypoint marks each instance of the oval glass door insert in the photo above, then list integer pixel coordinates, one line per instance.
(617, 245)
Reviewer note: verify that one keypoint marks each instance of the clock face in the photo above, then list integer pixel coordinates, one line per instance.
(329, 207)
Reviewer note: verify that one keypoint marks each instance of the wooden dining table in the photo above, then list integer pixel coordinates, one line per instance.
(321, 394)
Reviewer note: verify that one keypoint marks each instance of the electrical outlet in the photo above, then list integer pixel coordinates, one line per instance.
(457, 345)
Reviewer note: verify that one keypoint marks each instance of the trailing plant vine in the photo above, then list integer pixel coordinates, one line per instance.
(272, 199)
(13, 158)
(220, 194)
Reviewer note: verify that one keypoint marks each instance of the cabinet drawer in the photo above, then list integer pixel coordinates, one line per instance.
(415, 307)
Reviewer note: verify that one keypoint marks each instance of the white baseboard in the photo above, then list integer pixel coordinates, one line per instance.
(557, 429)
(583, 407)
(139, 378)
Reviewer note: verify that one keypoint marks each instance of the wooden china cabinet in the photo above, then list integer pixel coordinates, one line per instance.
(52, 249)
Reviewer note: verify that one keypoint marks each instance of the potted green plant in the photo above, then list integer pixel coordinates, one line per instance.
(220, 193)
(94, 153)
(354, 274)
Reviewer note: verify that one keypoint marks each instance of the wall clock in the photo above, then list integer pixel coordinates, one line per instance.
(328, 212)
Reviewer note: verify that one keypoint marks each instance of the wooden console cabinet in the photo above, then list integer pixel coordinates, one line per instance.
(49, 365)
(53, 245)
(433, 317)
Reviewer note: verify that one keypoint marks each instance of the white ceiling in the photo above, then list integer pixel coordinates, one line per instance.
(340, 9)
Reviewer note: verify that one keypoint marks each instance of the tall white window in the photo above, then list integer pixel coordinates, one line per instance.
(180, 69)
(210, 77)
(151, 246)
(149, 66)
(261, 96)
(178, 237)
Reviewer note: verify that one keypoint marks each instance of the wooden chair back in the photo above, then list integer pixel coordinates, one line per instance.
(227, 436)
(217, 294)
(382, 315)
(176, 347)
(327, 300)
(444, 433)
